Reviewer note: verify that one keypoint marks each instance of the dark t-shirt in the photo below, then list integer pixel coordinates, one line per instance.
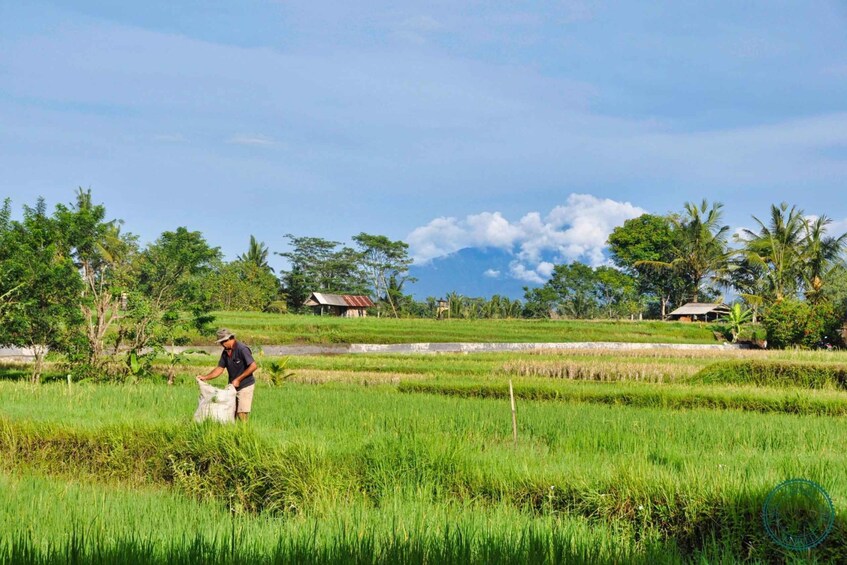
(241, 358)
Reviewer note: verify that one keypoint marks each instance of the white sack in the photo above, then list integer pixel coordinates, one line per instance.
(215, 403)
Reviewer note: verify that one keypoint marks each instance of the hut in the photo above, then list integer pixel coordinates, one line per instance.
(699, 312)
(344, 305)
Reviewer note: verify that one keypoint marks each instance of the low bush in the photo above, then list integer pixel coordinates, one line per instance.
(794, 323)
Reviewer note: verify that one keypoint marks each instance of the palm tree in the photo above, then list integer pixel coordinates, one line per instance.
(700, 247)
(820, 256)
(257, 254)
(777, 250)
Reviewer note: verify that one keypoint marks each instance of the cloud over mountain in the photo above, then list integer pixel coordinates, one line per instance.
(576, 230)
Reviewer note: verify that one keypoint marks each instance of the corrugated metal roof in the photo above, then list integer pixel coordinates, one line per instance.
(346, 300)
(358, 301)
(699, 308)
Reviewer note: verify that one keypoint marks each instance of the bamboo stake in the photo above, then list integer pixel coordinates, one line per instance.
(514, 415)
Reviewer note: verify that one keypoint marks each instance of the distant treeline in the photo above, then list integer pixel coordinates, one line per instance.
(74, 281)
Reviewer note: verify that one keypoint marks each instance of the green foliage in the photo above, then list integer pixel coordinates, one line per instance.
(386, 263)
(277, 307)
(169, 297)
(792, 254)
(278, 371)
(257, 255)
(318, 265)
(753, 333)
(778, 374)
(737, 318)
(104, 258)
(41, 282)
(578, 291)
(794, 323)
(640, 247)
(241, 285)
(468, 308)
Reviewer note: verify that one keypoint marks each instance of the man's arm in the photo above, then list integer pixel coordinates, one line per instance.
(213, 374)
(236, 382)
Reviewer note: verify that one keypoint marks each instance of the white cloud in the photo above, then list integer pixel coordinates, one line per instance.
(492, 273)
(251, 140)
(837, 227)
(574, 231)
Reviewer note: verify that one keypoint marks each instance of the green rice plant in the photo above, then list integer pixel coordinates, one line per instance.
(67, 522)
(667, 397)
(688, 479)
(277, 371)
(774, 374)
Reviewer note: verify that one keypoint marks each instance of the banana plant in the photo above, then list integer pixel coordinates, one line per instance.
(737, 317)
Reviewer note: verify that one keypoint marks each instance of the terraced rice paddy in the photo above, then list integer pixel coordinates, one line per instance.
(621, 457)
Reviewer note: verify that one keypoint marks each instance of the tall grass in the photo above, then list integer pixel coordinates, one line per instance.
(44, 521)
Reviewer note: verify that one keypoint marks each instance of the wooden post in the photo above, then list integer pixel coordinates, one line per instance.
(514, 415)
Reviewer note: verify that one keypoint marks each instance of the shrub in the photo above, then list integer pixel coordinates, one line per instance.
(277, 307)
(792, 322)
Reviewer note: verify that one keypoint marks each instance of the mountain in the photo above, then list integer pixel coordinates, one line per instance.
(464, 272)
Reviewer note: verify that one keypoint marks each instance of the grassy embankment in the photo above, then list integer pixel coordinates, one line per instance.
(277, 329)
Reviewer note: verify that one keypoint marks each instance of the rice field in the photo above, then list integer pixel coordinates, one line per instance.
(621, 457)
(279, 329)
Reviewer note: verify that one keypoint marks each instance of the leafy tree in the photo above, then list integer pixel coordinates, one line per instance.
(698, 247)
(103, 255)
(241, 285)
(747, 277)
(38, 270)
(701, 246)
(296, 288)
(171, 272)
(643, 248)
(386, 263)
(792, 254)
(616, 291)
(320, 266)
(575, 288)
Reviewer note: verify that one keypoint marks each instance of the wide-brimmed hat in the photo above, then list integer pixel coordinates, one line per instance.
(223, 335)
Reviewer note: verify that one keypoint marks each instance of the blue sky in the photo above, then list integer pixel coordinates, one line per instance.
(534, 127)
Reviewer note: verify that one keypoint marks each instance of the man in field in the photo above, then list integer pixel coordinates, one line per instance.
(238, 361)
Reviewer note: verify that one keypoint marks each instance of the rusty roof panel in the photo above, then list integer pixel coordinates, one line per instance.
(358, 301)
(347, 300)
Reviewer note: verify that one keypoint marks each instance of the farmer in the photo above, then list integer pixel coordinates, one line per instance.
(238, 361)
